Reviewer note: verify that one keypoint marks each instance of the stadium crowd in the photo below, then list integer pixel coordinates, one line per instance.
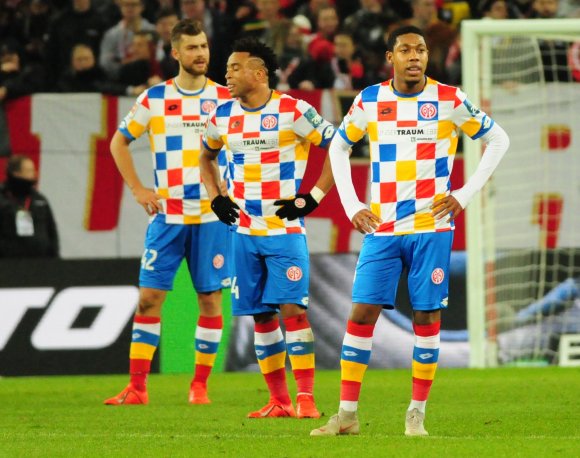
(122, 46)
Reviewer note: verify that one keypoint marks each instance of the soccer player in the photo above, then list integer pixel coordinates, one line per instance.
(412, 123)
(182, 225)
(268, 137)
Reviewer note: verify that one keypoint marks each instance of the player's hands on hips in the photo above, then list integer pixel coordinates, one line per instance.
(301, 205)
(446, 206)
(148, 199)
(225, 209)
(366, 222)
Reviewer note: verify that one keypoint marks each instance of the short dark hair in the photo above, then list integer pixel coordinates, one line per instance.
(14, 164)
(164, 12)
(188, 27)
(256, 48)
(402, 31)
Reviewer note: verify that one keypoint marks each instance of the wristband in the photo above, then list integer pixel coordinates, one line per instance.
(317, 194)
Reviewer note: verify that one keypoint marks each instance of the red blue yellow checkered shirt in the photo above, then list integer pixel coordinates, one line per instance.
(175, 120)
(413, 140)
(267, 153)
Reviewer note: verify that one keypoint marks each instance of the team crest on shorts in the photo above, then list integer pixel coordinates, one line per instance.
(218, 261)
(437, 276)
(294, 273)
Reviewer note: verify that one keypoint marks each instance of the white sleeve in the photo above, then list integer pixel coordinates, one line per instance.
(497, 143)
(339, 152)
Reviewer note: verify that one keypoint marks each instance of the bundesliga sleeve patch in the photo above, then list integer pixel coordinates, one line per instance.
(313, 117)
(473, 110)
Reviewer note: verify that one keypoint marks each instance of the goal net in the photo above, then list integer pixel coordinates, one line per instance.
(523, 230)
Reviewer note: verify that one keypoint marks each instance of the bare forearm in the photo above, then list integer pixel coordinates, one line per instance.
(124, 161)
(326, 180)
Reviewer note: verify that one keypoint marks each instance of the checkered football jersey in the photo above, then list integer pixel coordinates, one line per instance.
(175, 120)
(413, 139)
(267, 152)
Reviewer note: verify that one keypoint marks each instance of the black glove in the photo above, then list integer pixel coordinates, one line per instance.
(225, 209)
(301, 205)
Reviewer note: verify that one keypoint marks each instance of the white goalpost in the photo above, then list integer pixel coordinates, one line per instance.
(523, 230)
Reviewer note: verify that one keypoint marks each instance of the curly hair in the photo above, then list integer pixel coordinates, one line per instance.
(255, 48)
(402, 31)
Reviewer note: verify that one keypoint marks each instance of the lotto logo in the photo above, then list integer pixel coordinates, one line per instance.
(207, 106)
(294, 273)
(56, 329)
(437, 276)
(269, 122)
(218, 261)
(428, 111)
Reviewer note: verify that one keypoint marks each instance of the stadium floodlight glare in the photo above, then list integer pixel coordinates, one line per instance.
(523, 237)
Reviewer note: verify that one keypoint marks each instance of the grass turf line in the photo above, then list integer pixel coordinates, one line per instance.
(496, 412)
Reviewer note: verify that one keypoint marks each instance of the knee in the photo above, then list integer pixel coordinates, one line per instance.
(210, 303)
(365, 313)
(149, 301)
(427, 317)
(263, 318)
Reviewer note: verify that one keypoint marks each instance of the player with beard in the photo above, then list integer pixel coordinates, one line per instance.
(182, 224)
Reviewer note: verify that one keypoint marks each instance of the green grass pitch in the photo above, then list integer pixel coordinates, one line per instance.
(511, 412)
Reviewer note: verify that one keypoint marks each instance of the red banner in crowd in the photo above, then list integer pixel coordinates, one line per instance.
(84, 129)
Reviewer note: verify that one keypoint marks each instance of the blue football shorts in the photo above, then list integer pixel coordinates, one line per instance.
(269, 271)
(382, 259)
(205, 247)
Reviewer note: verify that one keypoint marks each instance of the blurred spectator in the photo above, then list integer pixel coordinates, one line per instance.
(277, 25)
(218, 31)
(545, 9)
(494, 9)
(17, 78)
(141, 68)
(35, 28)
(291, 56)
(11, 21)
(78, 23)
(321, 47)
(574, 60)
(346, 65)
(523, 8)
(115, 47)
(310, 11)
(569, 8)
(439, 36)
(153, 7)
(488, 9)
(239, 14)
(368, 24)
(84, 75)
(27, 226)
(343, 70)
(110, 9)
(164, 23)
(554, 52)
